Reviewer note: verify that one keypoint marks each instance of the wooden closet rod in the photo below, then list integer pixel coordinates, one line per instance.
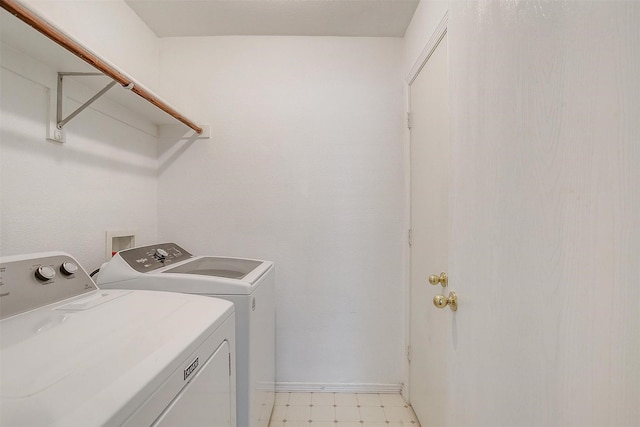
(33, 20)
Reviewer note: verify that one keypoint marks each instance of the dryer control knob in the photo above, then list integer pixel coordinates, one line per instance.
(68, 268)
(45, 273)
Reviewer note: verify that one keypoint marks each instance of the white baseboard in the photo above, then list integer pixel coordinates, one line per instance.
(293, 387)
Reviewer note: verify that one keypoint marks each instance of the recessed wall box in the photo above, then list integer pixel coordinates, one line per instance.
(119, 240)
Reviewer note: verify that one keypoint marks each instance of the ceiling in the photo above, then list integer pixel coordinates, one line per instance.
(354, 18)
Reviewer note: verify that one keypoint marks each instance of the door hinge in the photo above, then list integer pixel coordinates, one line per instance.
(409, 119)
(409, 353)
(410, 238)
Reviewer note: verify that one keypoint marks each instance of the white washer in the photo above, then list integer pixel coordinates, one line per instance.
(73, 355)
(248, 283)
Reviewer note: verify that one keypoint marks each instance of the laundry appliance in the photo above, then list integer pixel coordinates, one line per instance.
(248, 283)
(74, 355)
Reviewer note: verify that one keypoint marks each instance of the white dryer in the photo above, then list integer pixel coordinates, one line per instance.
(248, 283)
(73, 355)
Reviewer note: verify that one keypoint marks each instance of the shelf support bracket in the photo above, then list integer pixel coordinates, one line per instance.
(60, 122)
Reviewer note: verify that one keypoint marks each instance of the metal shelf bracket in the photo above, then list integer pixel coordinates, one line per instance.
(60, 122)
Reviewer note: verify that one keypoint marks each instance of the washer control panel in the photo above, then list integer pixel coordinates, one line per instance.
(28, 282)
(148, 258)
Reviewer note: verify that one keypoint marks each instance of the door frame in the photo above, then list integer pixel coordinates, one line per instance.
(427, 51)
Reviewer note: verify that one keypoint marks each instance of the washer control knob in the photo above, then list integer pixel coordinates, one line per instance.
(68, 268)
(161, 253)
(45, 273)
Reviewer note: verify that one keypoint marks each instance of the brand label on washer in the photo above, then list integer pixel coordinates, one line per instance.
(190, 369)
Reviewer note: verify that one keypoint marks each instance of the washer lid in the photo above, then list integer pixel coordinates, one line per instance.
(95, 358)
(206, 275)
(230, 268)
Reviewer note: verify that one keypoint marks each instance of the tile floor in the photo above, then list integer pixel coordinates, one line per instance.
(341, 410)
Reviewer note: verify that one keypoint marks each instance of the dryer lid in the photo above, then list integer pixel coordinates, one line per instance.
(98, 356)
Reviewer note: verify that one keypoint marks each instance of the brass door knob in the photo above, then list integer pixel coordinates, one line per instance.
(441, 301)
(441, 279)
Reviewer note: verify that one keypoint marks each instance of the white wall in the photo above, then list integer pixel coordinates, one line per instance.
(65, 196)
(545, 212)
(304, 168)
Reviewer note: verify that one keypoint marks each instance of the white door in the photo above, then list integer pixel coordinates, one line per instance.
(429, 326)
